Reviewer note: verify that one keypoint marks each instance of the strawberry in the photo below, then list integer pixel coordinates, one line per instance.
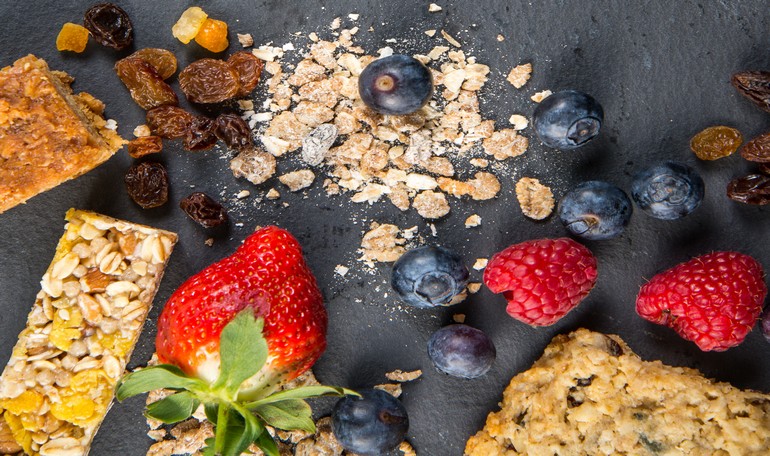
(713, 300)
(230, 335)
(542, 279)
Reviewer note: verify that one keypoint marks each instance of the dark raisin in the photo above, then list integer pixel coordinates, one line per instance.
(162, 60)
(233, 131)
(209, 81)
(585, 381)
(764, 168)
(146, 86)
(519, 419)
(751, 189)
(200, 135)
(754, 85)
(204, 210)
(249, 68)
(169, 122)
(147, 184)
(109, 25)
(758, 149)
(613, 348)
(145, 145)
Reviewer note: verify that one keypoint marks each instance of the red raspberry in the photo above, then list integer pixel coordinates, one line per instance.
(542, 279)
(713, 300)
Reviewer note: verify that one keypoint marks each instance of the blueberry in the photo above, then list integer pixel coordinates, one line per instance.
(568, 119)
(429, 276)
(461, 351)
(374, 423)
(668, 191)
(595, 210)
(396, 85)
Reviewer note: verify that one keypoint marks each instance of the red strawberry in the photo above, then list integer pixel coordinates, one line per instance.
(713, 300)
(268, 274)
(542, 279)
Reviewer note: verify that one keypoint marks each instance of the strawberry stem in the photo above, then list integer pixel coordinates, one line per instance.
(221, 427)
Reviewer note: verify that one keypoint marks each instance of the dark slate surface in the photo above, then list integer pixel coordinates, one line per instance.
(660, 71)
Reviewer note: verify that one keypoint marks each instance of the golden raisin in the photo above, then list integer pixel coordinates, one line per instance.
(145, 145)
(72, 37)
(162, 60)
(189, 24)
(213, 35)
(716, 142)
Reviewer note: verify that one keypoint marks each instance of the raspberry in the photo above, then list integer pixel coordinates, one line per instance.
(542, 279)
(713, 300)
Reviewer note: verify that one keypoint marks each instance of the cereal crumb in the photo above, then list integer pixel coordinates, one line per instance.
(272, 194)
(430, 204)
(255, 165)
(505, 143)
(540, 96)
(474, 287)
(335, 23)
(209, 242)
(433, 8)
(297, 180)
(313, 37)
(111, 124)
(403, 376)
(353, 16)
(458, 318)
(381, 244)
(536, 200)
(141, 131)
(450, 39)
(472, 221)
(500, 38)
(341, 270)
(243, 194)
(245, 39)
(431, 33)
(246, 105)
(480, 264)
(479, 162)
(519, 75)
(406, 448)
(394, 389)
(519, 122)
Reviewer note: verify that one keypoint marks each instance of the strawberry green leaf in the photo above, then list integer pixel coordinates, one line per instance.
(211, 409)
(155, 377)
(209, 450)
(236, 430)
(266, 443)
(289, 415)
(303, 392)
(242, 351)
(174, 408)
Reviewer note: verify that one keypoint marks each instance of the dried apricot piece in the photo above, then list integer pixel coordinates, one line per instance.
(716, 142)
(189, 24)
(249, 69)
(72, 37)
(209, 81)
(162, 60)
(146, 86)
(213, 35)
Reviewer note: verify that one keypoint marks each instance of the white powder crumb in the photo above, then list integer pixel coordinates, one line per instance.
(288, 47)
(391, 40)
(480, 264)
(540, 96)
(519, 122)
(433, 230)
(431, 33)
(111, 124)
(472, 221)
(341, 270)
(335, 23)
(142, 131)
(353, 16)
(500, 38)
(243, 194)
(353, 31)
(245, 39)
(387, 51)
(433, 8)
(239, 224)
(450, 39)
(474, 287)
(272, 194)
(409, 233)
(458, 318)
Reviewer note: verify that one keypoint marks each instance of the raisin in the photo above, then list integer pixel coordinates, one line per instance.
(204, 210)
(162, 60)
(109, 25)
(758, 149)
(249, 69)
(754, 85)
(764, 168)
(72, 37)
(213, 35)
(716, 142)
(209, 81)
(145, 145)
(169, 122)
(147, 184)
(751, 189)
(189, 23)
(146, 86)
(200, 135)
(233, 131)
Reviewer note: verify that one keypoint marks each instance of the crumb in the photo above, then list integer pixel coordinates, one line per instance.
(382, 244)
(474, 287)
(458, 298)
(209, 242)
(430, 204)
(458, 318)
(500, 38)
(479, 162)
(272, 194)
(141, 131)
(335, 24)
(246, 105)
(432, 8)
(480, 264)
(540, 96)
(536, 200)
(394, 389)
(407, 449)
(433, 230)
(353, 16)
(341, 270)
(313, 37)
(403, 376)
(245, 39)
(156, 434)
(518, 121)
(519, 75)
(450, 39)
(409, 233)
(431, 33)
(473, 221)
(111, 124)
(297, 180)
(255, 165)
(243, 194)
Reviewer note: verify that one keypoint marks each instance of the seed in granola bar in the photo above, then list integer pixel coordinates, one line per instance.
(162, 60)
(233, 131)
(429, 276)
(397, 85)
(249, 69)
(568, 119)
(716, 142)
(72, 37)
(147, 184)
(595, 210)
(144, 83)
(374, 423)
(253, 164)
(145, 145)
(200, 135)
(212, 35)
(209, 81)
(109, 25)
(170, 122)
(204, 210)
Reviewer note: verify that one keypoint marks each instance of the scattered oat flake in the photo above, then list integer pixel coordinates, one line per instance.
(298, 180)
(474, 287)
(272, 194)
(430, 204)
(500, 38)
(341, 270)
(480, 264)
(402, 376)
(254, 165)
(313, 37)
(394, 389)
(450, 39)
(409, 233)
(432, 8)
(243, 194)
(382, 244)
(519, 75)
(245, 39)
(540, 96)
(353, 16)
(458, 318)
(536, 200)
(519, 122)
(141, 131)
(335, 23)
(472, 221)
(431, 33)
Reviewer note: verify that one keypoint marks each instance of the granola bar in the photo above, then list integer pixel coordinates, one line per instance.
(59, 382)
(589, 394)
(48, 135)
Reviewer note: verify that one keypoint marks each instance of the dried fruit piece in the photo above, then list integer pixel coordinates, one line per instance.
(147, 184)
(146, 86)
(169, 122)
(764, 168)
(189, 24)
(716, 142)
(162, 60)
(204, 210)
(72, 37)
(145, 145)
(213, 35)
(200, 135)
(109, 25)
(233, 131)
(758, 149)
(751, 189)
(249, 69)
(754, 85)
(209, 81)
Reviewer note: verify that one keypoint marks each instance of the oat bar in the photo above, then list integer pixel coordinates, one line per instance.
(589, 394)
(95, 296)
